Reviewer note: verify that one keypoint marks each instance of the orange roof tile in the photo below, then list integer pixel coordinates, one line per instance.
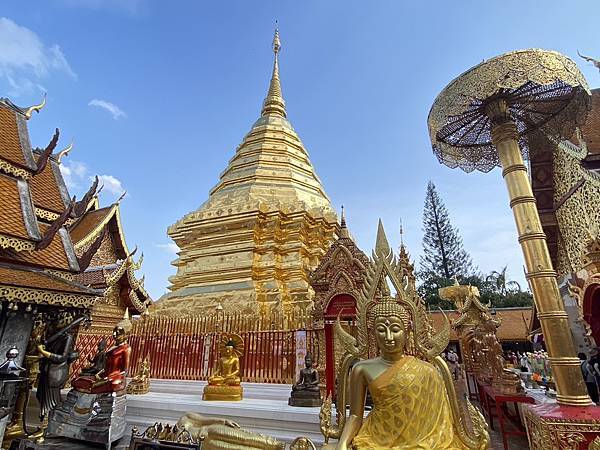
(88, 223)
(512, 327)
(45, 189)
(36, 279)
(10, 142)
(12, 221)
(54, 256)
(94, 277)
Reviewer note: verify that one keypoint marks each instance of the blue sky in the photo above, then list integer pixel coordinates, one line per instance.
(157, 96)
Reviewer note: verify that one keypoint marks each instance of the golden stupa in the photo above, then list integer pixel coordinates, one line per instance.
(266, 224)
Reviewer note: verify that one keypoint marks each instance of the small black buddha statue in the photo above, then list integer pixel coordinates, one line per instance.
(306, 391)
(96, 364)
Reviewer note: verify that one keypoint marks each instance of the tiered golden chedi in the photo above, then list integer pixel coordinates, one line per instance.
(265, 225)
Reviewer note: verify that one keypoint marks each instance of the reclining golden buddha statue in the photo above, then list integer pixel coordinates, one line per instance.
(414, 401)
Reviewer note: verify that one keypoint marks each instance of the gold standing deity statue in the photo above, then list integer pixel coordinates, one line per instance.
(414, 401)
(492, 364)
(224, 384)
(140, 384)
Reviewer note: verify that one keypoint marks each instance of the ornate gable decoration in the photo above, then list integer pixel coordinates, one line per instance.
(341, 271)
(427, 343)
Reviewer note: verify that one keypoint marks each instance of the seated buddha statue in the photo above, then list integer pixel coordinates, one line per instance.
(224, 383)
(112, 377)
(410, 404)
(309, 377)
(96, 364)
(228, 369)
(306, 391)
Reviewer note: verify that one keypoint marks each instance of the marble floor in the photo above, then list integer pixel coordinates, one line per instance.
(264, 409)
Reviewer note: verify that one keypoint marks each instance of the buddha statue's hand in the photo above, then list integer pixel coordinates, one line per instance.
(231, 424)
(42, 351)
(216, 380)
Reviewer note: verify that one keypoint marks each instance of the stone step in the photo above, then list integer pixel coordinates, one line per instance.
(262, 415)
(264, 391)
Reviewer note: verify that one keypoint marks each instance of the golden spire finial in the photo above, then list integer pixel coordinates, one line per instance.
(343, 228)
(276, 41)
(382, 247)
(401, 234)
(274, 103)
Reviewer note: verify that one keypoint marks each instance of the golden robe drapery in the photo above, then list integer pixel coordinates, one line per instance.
(411, 411)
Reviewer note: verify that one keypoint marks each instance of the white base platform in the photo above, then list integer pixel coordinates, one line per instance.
(263, 410)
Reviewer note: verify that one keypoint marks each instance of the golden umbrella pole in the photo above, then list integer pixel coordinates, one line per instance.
(542, 277)
(480, 121)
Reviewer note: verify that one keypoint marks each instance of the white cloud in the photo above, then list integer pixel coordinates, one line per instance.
(25, 59)
(111, 184)
(171, 247)
(116, 112)
(73, 172)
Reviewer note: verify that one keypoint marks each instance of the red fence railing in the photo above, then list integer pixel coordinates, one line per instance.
(188, 348)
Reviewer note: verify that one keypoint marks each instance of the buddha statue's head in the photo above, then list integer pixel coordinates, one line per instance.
(119, 334)
(391, 324)
(228, 350)
(308, 360)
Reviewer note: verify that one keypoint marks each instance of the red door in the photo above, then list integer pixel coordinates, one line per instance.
(343, 306)
(591, 310)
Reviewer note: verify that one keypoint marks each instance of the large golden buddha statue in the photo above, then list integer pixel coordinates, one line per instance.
(224, 383)
(414, 401)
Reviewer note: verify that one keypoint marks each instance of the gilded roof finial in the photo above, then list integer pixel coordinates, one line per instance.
(64, 151)
(29, 111)
(343, 227)
(274, 103)
(401, 234)
(276, 41)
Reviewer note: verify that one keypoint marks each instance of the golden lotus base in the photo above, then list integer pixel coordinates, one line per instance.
(223, 393)
(138, 389)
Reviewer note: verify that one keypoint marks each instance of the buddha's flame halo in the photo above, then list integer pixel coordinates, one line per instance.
(421, 338)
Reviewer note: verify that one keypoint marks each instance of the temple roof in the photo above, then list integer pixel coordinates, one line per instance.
(31, 199)
(16, 213)
(513, 327)
(14, 139)
(34, 212)
(91, 224)
(334, 260)
(48, 188)
(119, 268)
(26, 284)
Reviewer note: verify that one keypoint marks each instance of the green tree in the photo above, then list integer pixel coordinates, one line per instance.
(501, 283)
(489, 293)
(443, 252)
(444, 257)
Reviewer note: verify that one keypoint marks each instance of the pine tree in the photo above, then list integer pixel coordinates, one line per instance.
(443, 254)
